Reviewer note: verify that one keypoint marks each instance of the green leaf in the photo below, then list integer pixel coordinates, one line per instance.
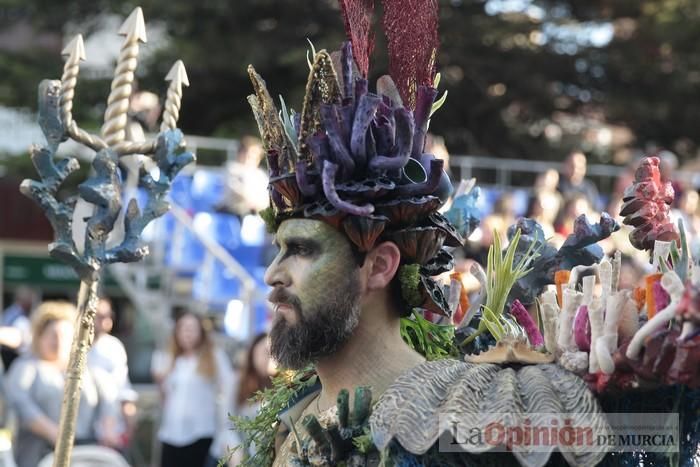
(501, 275)
(260, 430)
(288, 126)
(438, 103)
(309, 61)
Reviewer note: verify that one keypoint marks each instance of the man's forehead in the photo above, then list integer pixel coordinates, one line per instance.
(305, 228)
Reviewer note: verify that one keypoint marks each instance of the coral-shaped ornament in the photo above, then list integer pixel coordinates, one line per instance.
(646, 206)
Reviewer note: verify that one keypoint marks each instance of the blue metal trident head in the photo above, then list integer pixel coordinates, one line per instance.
(103, 189)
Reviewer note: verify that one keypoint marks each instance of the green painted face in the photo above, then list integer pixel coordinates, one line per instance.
(316, 292)
(313, 260)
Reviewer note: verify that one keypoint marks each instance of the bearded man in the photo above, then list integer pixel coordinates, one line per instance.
(337, 311)
(354, 207)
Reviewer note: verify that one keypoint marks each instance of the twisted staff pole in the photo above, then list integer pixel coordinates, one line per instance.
(102, 189)
(87, 304)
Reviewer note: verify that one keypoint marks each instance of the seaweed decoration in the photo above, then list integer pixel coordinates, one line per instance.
(259, 431)
(411, 28)
(358, 27)
(503, 270)
(103, 190)
(647, 206)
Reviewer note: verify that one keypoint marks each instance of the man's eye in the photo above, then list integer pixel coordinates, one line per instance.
(300, 250)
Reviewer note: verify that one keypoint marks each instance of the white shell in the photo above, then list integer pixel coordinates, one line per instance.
(410, 410)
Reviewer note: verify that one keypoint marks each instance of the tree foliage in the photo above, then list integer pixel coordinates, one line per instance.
(526, 78)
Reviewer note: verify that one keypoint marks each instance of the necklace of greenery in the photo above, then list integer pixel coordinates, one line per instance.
(259, 432)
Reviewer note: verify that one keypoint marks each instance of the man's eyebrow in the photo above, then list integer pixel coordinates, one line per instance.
(302, 241)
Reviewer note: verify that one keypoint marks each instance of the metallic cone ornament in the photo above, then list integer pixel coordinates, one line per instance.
(103, 190)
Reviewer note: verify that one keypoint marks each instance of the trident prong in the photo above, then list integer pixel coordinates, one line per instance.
(114, 127)
(74, 52)
(171, 110)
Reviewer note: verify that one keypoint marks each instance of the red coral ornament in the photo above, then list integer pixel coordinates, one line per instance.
(646, 207)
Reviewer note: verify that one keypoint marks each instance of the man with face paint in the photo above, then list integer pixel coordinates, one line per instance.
(359, 237)
(335, 310)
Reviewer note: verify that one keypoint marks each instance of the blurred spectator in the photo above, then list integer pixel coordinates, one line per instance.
(573, 182)
(245, 191)
(668, 164)
(687, 210)
(145, 109)
(257, 376)
(576, 205)
(15, 328)
(537, 210)
(502, 217)
(34, 389)
(196, 382)
(546, 186)
(435, 145)
(108, 354)
(631, 273)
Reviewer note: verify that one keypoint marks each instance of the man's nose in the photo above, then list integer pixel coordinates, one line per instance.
(276, 275)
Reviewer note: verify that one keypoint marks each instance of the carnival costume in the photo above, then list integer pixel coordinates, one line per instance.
(354, 159)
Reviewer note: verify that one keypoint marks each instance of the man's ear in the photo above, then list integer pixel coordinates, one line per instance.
(382, 263)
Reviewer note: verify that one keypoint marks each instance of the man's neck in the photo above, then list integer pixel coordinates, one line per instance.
(374, 356)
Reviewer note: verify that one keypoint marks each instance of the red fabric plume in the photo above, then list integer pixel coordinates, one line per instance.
(358, 23)
(411, 28)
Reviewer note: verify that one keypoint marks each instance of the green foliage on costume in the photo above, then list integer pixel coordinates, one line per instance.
(364, 442)
(502, 272)
(260, 431)
(433, 341)
(409, 278)
(268, 216)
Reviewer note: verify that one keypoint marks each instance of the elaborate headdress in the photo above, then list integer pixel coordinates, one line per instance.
(354, 158)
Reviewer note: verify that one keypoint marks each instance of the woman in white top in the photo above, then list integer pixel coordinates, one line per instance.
(196, 381)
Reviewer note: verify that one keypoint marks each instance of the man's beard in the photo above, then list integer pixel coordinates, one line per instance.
(318, 332)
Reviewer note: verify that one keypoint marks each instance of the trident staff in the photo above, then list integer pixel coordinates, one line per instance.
(102, 189)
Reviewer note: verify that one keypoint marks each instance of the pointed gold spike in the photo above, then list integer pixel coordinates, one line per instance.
(321, 88)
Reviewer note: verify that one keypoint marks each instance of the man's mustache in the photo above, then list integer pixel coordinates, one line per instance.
(287, 298)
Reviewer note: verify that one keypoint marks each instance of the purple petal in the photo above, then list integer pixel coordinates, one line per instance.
(361, 88)
(582, 329)
(307, 189)
(402, 150)
(424, 103)
(328, 181)
(383, 130)
(318, 146)
(346, 113)
(366, 109)
(335, 140)
(521, 315)
(427, 187)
